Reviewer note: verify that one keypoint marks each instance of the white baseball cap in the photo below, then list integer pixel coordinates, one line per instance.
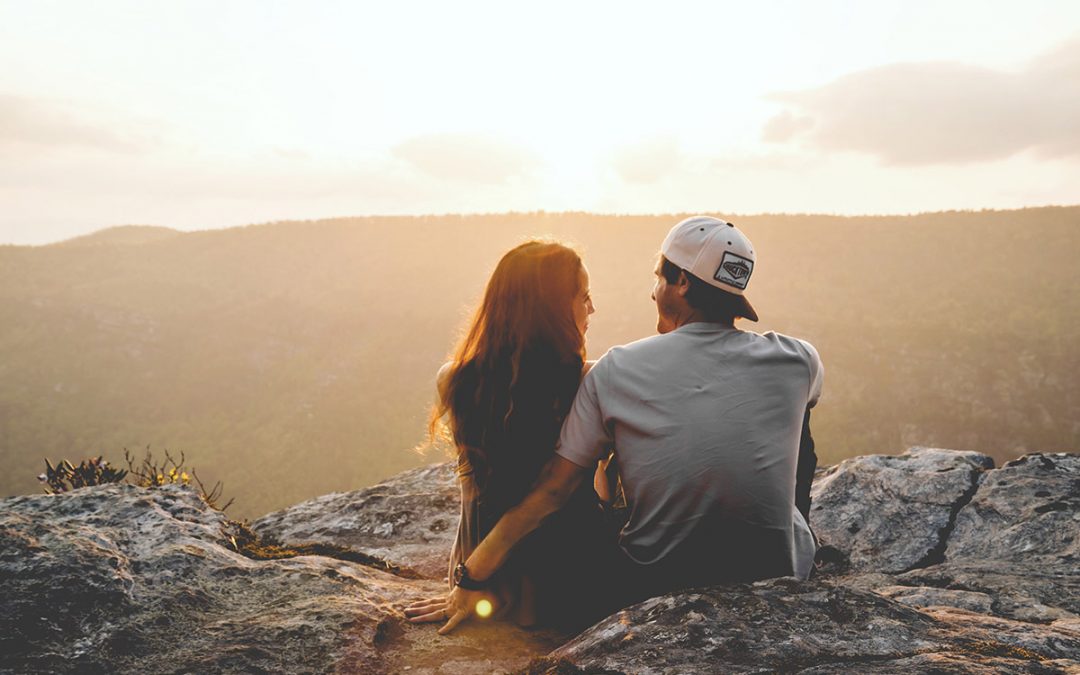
(716, 252)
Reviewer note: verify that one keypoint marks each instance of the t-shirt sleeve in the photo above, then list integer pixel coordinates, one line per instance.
(584, 436)
(817, 374)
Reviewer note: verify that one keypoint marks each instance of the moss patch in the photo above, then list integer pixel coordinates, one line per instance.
(247, 543)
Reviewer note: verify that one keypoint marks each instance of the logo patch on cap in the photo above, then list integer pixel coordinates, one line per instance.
(734, 270)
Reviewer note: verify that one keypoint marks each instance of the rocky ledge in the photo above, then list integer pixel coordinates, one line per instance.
(932, 561)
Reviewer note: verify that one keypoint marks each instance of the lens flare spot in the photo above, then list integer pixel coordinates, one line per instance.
(483, 609)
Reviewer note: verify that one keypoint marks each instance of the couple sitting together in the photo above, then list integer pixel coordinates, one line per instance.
(683, 459)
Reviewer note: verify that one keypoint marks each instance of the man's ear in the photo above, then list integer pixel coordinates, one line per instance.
(683, 285)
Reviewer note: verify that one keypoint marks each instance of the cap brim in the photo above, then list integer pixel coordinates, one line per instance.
(746, 310)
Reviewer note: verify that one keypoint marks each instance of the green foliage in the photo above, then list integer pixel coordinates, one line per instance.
(65, 476)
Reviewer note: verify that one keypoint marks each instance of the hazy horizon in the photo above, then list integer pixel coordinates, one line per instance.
(377, 216)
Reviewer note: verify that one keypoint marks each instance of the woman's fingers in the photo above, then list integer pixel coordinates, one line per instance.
(439, 609)
(458, 617)
(425, 606)
(437, 615)
(427, 603)
(427, 611)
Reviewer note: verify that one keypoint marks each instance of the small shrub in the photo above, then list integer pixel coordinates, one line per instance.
(153, 473)
(149, 473)
(65, 476)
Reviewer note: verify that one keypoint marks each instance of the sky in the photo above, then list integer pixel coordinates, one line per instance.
(195, 115)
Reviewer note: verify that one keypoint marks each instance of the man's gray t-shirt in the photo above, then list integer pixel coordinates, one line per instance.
(705, 422)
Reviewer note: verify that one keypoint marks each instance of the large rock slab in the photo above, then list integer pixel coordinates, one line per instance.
(1027, 512)
(409, 521)
(1018, 541)
(1021, 592)
(124, 579)
(121, 579)
(784, 625)
(929, 596)
(884, 513)
(945, 663)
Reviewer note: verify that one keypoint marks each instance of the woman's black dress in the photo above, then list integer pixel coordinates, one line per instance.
(550, 577)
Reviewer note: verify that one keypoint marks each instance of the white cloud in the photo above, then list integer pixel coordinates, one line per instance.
(941, 113)
(53, 125)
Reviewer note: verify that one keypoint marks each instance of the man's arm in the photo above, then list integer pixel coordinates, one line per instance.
(557, 482)
(581, 442)
(804, 473)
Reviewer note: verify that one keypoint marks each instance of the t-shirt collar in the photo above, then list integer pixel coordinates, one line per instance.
(699, 327)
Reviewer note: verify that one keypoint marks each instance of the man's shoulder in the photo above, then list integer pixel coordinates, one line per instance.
(621, 355)
(775, 344)
(654, 347)
(648, 346)
(790, 342)
(805, 352)
(808, 354)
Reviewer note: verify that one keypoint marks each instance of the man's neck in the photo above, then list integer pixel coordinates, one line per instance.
(697, 317)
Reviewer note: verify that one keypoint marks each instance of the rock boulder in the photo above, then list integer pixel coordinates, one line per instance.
(935, 562)
(122, 579)
(894, 513)
(408, 521)
(806, 627)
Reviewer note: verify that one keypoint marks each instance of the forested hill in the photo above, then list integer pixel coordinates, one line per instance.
(297, 358)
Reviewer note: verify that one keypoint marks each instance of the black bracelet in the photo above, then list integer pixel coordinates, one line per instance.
(463, 580)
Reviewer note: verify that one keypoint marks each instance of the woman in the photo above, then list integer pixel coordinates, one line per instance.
(504, 397)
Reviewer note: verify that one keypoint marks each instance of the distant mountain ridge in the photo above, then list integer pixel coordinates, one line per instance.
(120, 235)
(295, 358)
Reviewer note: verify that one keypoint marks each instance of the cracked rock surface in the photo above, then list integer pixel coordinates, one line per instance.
(807, 627)
(892, 513)
(409, 521)
(935, 562)
(1018, 540)
(119, 579)
(1026, 512)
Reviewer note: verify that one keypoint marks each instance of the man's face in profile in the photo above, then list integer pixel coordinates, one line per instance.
(663, 294)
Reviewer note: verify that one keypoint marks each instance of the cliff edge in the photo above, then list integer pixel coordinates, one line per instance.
(932, 560)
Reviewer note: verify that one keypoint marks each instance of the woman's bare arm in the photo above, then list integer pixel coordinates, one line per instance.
(442, 381)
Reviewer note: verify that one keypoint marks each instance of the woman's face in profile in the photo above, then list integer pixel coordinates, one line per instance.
(583, 306)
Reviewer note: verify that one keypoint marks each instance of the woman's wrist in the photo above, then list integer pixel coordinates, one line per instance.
(464, 579)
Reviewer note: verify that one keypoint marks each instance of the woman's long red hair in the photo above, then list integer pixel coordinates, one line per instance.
(523, 329)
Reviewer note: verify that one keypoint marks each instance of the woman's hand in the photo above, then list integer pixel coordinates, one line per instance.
(426, 611)
(461, 605)
(455, 608)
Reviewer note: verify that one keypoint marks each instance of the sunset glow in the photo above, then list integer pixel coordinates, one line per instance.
(210, 114)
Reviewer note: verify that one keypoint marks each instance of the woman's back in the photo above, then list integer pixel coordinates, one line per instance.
(509, 425)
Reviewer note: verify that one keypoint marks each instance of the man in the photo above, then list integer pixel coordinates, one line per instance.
(705, 421)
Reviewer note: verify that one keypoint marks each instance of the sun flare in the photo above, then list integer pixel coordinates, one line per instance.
(484, 609)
